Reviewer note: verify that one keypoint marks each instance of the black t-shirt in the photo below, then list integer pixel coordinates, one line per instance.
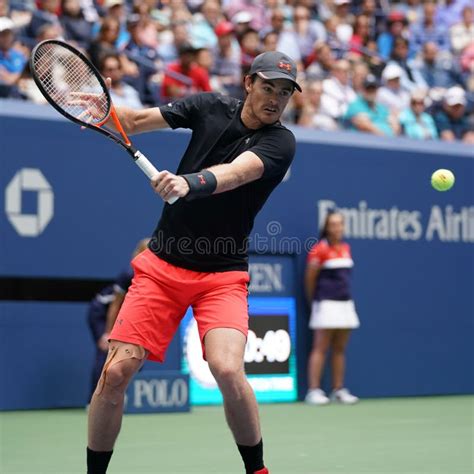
(210, 234)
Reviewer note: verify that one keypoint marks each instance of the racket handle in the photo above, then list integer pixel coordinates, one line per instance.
(145, 165)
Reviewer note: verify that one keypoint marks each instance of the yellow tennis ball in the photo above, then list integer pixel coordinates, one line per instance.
(442, 180)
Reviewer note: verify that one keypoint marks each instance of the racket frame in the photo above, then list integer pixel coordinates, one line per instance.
(139, 158)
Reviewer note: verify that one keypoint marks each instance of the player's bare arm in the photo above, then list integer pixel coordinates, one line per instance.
(139, 121)
(246, 168)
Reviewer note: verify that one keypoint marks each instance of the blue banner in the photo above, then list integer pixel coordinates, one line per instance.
(47, 355)
(75, 205)
(271, 275)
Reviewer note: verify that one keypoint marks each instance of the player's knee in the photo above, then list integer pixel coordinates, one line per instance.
(122, 363)
(114, 381)
(118, 375)
(227, 372)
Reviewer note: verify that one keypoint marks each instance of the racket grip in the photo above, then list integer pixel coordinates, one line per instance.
(145, 165)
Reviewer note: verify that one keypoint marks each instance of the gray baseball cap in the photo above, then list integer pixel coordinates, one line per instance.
(275, 65)
(371, 82)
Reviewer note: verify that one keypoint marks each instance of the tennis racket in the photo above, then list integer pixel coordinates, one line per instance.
(74, 87)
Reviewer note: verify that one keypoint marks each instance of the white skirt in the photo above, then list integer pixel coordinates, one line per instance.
(331, 314)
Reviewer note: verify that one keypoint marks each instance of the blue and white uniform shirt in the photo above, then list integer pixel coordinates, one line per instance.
(335, 262)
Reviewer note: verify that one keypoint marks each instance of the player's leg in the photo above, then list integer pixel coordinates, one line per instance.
(146, 324)
(225, 354)
(221, 312)
(105, 412)
(321, 343)
(225, 349)
(106, 407)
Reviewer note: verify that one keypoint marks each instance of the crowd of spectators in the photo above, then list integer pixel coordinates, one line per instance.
(377, 66)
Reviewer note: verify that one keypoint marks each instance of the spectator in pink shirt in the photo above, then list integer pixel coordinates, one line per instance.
(255, 7)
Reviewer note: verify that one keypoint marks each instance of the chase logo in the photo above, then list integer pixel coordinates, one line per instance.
(29, 180)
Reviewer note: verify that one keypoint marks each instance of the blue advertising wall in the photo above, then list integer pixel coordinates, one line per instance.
(47, 355)
(73, 206)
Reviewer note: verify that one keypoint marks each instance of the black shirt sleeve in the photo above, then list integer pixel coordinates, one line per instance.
(186, 112)
(276, 149)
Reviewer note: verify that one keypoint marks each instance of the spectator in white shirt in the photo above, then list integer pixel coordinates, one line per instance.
(392, 94)
(287, 39)
(313, 114)
(321, 63)
(307, 31)
(337, 92)
(342, 10)
(462, 34)
(121, 93)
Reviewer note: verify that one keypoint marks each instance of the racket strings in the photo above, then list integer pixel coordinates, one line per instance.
(71, 83)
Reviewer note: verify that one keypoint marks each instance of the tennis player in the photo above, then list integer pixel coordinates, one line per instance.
(238, 153)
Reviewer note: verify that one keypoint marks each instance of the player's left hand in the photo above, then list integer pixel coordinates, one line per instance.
(169, 185)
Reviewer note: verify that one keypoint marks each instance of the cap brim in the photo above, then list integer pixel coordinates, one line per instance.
(456, 102)
(188, 50)
(271, 75)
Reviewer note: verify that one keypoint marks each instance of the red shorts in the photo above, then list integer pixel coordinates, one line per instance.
(161, 293)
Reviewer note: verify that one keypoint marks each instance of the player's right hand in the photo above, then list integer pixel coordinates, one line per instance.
(169, 185)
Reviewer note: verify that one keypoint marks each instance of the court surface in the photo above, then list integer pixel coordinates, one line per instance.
(385, 436)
